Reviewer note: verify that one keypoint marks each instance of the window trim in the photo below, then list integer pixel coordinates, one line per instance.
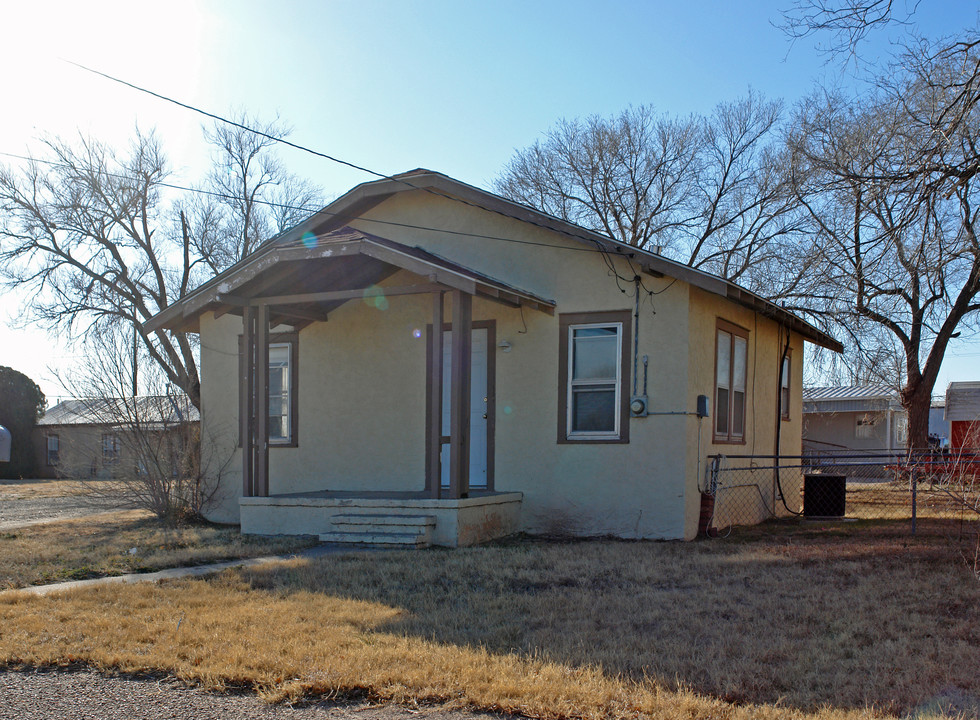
(279, 338)
(566, 321)
(729, 438)
(787, 379)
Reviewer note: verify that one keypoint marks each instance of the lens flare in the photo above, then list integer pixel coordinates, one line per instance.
(416, 333)
(508, 409)
(374, 297)
(309, 239)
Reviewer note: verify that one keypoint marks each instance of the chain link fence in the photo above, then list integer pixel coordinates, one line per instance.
(900, 488)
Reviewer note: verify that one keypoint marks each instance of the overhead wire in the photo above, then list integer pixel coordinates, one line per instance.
(287, 206)
(381, 176)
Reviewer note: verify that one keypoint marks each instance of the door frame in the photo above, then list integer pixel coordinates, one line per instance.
(491, 327)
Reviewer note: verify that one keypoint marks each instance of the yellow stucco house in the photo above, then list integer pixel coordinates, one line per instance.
(562, 394)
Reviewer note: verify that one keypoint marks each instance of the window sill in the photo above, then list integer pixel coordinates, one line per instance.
(592, 440)
(273, 445)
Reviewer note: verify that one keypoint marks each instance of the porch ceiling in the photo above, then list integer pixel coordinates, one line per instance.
(304, 280)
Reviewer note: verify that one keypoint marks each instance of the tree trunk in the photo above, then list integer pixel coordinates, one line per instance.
(917, 400)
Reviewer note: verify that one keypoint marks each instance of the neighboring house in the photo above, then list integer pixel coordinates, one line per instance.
(89, 438)
(938, 424)
(853, 417)
(963, 415)
(560, 396)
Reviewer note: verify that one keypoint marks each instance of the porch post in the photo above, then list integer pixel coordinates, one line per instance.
(459, 443)
(433, 436)
(262, 401)
(247, 404)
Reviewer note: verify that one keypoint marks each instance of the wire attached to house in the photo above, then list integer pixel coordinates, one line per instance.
(607, 255)
(779, 419)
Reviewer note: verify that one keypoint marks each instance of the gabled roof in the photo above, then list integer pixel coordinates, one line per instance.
(347, 261)
(362, 198)
(850, 392)
(850, 398)
(153, 409)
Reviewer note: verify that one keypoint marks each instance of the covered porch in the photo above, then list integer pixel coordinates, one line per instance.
(299, 283)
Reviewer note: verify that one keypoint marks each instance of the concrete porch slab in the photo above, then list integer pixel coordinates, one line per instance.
(459, 522)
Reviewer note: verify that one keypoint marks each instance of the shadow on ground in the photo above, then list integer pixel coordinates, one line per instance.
(805, 620)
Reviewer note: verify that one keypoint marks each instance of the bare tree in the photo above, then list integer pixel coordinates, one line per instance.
(897, 255)
(625, 176)
(709, 191)
(98, 238)
(86, 233)
(249, 196)
(892, 185)
(945, 71)
(148, 445)
(847, 23)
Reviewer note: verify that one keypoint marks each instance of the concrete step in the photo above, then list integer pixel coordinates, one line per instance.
(358, 520)
(378, 538)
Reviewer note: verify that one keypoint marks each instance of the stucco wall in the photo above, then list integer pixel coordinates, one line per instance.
(766, 341)
(362, 383)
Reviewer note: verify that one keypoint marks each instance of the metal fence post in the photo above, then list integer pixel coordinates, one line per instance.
(915, 488)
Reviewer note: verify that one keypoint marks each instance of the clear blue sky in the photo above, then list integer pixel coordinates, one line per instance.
(453, 86)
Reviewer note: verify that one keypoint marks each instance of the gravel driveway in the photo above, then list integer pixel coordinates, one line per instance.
(84, 695)
(20, 512)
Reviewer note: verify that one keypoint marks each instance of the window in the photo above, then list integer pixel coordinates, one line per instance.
(593, 373)
(865, 427)
(283, 388)
(901, 429)
(279, 396)
(110, 448)
(784, 390)
(53, 450)
(731, 361)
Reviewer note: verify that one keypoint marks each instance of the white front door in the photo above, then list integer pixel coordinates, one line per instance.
(478, 407)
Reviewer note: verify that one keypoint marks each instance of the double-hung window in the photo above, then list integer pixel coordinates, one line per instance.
(593, 373)
(731, 369)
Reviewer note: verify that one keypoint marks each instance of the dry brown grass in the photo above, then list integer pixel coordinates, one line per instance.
(814, 622)
(893, 501)
(32, 489)
(119, 543)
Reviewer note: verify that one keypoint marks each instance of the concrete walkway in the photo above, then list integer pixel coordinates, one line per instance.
(180, 572)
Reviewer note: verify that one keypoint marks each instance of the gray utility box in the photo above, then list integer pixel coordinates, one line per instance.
(824, 495)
